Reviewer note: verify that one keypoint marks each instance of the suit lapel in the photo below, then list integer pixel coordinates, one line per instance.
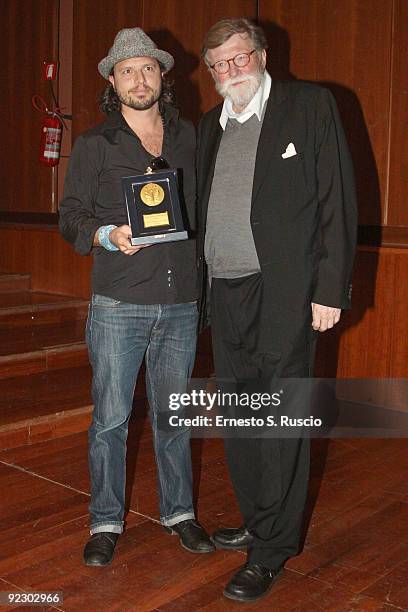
(212, 143)
(271, 127)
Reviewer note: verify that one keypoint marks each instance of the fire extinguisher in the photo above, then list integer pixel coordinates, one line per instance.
(51, 132)
(51, 136)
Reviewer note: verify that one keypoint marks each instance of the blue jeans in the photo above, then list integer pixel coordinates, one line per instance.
(119, 335)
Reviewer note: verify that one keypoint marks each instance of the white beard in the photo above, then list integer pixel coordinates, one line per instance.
(240, 95)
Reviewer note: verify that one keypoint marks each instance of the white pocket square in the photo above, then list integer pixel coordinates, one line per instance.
(290, 151)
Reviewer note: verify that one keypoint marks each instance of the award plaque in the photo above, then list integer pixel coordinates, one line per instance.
(153, 207)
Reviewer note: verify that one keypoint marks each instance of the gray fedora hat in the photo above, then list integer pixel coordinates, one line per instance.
(133, 42)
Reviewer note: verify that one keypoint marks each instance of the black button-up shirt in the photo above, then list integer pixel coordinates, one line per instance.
(93, 196)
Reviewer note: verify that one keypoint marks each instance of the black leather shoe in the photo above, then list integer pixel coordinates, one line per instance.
(232, 537)
(192, 536)
(100, 548)
(251, 582)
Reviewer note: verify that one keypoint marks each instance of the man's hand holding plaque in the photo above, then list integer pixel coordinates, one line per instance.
(121, 238)
(153, 205)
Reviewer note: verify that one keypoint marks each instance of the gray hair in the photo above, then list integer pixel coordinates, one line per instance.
(225, 28)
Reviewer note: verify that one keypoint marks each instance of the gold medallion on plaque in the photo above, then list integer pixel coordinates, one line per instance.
(152, 194)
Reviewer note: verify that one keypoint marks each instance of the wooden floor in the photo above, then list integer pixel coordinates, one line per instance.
(355, 556)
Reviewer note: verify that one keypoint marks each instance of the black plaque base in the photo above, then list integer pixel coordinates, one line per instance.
(158, 238)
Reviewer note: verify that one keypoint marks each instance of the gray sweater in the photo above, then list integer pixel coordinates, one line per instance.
(229, 244)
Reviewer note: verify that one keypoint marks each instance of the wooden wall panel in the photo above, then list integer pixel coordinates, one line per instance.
(65, 89)
(398, 186)
(51, 261)
(181, 32)
(347, 46)
(29, 36)
(178, 28)
(95, 26)
(369, 331)
(399, 355)
(371, 340)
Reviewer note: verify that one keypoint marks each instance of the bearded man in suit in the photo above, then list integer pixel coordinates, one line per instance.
(277, 219)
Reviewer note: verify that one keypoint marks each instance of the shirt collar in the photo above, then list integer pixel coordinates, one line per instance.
(255, 107)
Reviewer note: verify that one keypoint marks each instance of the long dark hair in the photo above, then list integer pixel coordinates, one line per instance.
(109, 101)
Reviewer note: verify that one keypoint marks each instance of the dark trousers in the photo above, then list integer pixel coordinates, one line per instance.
(269, 475)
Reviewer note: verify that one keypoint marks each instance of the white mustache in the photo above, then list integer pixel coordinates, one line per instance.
(247, 82)
(241, 79)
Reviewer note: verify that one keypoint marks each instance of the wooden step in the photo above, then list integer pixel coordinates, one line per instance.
(44, 406)
(45, 376)
(39, 308)
(51, 405)
(40, 332)
(44, 360)
(29, 350)
(14, 282)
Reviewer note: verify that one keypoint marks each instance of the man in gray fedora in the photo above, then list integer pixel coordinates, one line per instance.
(142, 306)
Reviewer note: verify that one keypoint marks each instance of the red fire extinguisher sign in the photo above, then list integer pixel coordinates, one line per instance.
(49, 71)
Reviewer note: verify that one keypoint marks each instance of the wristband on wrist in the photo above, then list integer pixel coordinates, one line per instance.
(103, 237)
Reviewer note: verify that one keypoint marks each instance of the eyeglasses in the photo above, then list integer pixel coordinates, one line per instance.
(157, 163)
(240, 60)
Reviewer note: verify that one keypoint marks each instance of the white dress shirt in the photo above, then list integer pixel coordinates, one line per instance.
(255, 106)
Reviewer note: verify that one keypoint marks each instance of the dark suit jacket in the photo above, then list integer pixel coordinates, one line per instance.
(303, 210)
